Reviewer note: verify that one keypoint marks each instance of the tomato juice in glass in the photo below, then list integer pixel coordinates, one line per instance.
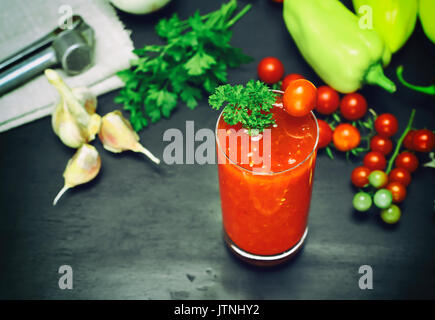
(265, 204)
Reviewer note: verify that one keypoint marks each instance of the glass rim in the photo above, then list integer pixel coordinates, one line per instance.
(267, 173)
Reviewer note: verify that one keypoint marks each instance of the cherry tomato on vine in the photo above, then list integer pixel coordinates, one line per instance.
(327, 100)
(362, 201)
(391, 215)
(378, 179)
(383, 198)
(375, 160)
(346, 137)
(381, 144)
(353, 106)
(400, 175)
(423, 140)
(386, 124)
(299, 98)
(325, 134)
(398, 191)
(407, 142)
(270, 70)
(407, 160)
(290, 78)
(360, 176)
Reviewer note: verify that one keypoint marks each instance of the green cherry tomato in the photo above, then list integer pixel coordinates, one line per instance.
(383, 198)
(362, 201)
(391, 215)
(378, 179)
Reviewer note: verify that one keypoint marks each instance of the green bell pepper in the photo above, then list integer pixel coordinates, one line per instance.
(328, 36)
(426, 11)
(393, 20)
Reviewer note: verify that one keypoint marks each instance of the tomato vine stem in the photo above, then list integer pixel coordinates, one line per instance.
(400, 141)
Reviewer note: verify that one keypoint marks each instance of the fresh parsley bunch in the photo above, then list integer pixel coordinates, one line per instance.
(195, 58)
(250, 105)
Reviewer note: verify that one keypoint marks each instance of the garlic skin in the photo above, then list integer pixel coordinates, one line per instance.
(117, 135)
(74, 119)
(81, 168)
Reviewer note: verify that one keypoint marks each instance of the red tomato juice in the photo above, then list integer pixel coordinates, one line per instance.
(266, 212)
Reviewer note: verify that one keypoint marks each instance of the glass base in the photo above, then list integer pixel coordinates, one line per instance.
(260, 260)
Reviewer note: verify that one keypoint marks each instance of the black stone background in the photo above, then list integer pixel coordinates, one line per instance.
(139, 232)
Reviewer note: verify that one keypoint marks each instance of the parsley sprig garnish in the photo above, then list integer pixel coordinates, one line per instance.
(250, 105)
(196, 57)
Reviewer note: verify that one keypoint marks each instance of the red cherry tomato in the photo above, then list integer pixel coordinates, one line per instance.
(374, 160)
(407, 160)
(386, 125)
(398, 191)
(325, 134)
(423, 140)
(346, 137)
(270, 70)
(400, 175)
(360, 176)
(381, 144)
(299, 98)
(327, 100)
(290, 78)
(407, 142)
(353, 106)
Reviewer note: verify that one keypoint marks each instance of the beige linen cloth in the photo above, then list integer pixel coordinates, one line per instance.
(24, 21)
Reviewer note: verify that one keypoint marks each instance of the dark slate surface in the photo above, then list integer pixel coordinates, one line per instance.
(138, 232)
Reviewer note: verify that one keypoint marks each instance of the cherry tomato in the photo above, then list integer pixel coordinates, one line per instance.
(378, 179)
(346, 137)
(391, 215)
(400, 175)
(353, 106)
(398, 191)
(381, 144)
(407, 160)
(407, 142)
(327, 100)
(299, 98)
(383, 198)
(374, 160)
(423, 140)
(270, 70)
(325, 134)
(290, 78)
(362, 201)
(360, 176)
(386, 124)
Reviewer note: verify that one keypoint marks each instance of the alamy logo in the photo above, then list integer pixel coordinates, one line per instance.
(366, 280)
(366, 18)
(66, 280)
(241, 147)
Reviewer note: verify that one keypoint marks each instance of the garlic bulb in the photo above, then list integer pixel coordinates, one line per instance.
(81, 168)
(117, 135)
(74, 119)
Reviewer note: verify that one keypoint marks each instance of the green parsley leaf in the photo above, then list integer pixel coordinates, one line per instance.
(250, 105)
(196, 57)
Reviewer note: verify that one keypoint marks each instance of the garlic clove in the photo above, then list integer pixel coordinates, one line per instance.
(86, 98)
(76, 106)
(66, 127)
(81, 168)
(117, 135)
